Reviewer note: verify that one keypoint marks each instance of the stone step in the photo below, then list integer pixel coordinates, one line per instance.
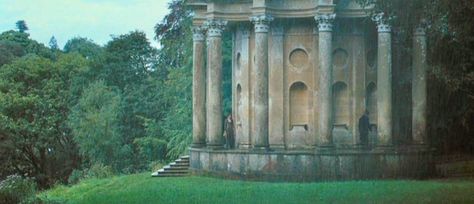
(180, 167)
(170, 175)
(180, 161)
(174, 171)
(176, 168)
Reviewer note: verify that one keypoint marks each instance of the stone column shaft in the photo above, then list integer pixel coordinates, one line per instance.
(325, 22)
(384, 82)
(261, 83)
(214, 83)
(419, 95)
(199, 88)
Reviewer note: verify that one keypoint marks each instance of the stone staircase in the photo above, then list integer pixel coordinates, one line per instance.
(179, 167)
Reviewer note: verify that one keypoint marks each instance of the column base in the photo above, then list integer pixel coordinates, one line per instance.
(419, 147)
(244, 146)
(215, 146)
(384, 148)
(198, 145)
(277, 147)
(260, 148)
(361, 146)
(325, 148)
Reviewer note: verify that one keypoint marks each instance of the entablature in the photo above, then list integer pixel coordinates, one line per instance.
(241, 10)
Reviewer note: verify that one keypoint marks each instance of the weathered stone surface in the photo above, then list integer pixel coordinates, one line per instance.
(384, 82)
(301, 79)
(199, 88)
(325, 81)
(260, 97)
(419, 92)
(214, 83)
(313, 166)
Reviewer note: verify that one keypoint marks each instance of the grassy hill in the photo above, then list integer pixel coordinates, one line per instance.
(141, 188)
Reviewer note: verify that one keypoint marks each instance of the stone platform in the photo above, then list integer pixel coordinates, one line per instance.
(313, 165)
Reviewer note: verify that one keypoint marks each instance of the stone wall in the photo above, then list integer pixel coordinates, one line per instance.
(312, 166)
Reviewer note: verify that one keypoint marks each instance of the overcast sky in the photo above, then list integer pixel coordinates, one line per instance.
(94, 19)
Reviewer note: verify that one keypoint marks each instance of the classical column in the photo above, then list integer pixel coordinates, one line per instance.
(260, 85)
(325, 23)
(419, 86)
(384, 81)
(199, 88)
(214, 83)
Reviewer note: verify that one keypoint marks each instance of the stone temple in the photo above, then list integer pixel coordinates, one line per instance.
(303, 73)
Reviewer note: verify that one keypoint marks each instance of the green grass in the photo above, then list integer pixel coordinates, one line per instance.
(141, 188)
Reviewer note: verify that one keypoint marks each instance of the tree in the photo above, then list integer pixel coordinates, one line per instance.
(83, 46)
(34, 99)
(96, 127)
(21, 26)
(28, 46)
(174, 35)
(53, 43)
(129, 60)
(9, 51)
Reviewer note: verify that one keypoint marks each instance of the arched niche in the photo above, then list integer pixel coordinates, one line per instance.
(371, 102)
(238, 98)
(238, 60)
(372, 60)
(299, 105)
(341, 104)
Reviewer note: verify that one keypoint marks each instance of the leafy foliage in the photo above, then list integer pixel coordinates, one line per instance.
(22, 45)
(15, 189)
(53, 43)
(21, 26)
(95, 125)
(33, 107)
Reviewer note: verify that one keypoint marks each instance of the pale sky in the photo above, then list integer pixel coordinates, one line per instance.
(93, 19)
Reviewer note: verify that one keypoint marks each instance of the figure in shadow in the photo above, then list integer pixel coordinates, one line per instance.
(364, 127)
(229, 132)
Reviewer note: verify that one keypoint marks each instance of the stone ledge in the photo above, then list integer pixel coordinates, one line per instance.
(335, 151)
(286, 165)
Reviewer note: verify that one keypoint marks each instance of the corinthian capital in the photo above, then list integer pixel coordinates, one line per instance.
(421, 28)
(382, 22)
(261, 23)
(325, 22)
(198, 33)
(215, 27)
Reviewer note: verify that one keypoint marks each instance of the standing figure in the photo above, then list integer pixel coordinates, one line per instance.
(229, 132)
(364, 126)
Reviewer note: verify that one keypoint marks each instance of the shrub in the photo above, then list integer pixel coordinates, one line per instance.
(16, 189)
(99, 171)
(155, 166)
(75, 177)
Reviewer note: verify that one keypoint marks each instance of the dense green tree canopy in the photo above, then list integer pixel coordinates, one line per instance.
(21, 26)
(33, 107)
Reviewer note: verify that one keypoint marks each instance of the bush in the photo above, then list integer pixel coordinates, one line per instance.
(16, 189)
(75, 177)
(99, 171)
(155, 166)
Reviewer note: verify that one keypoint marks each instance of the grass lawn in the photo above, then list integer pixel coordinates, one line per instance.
(141, 188)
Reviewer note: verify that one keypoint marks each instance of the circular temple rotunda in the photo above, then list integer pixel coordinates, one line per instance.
(303, 73)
